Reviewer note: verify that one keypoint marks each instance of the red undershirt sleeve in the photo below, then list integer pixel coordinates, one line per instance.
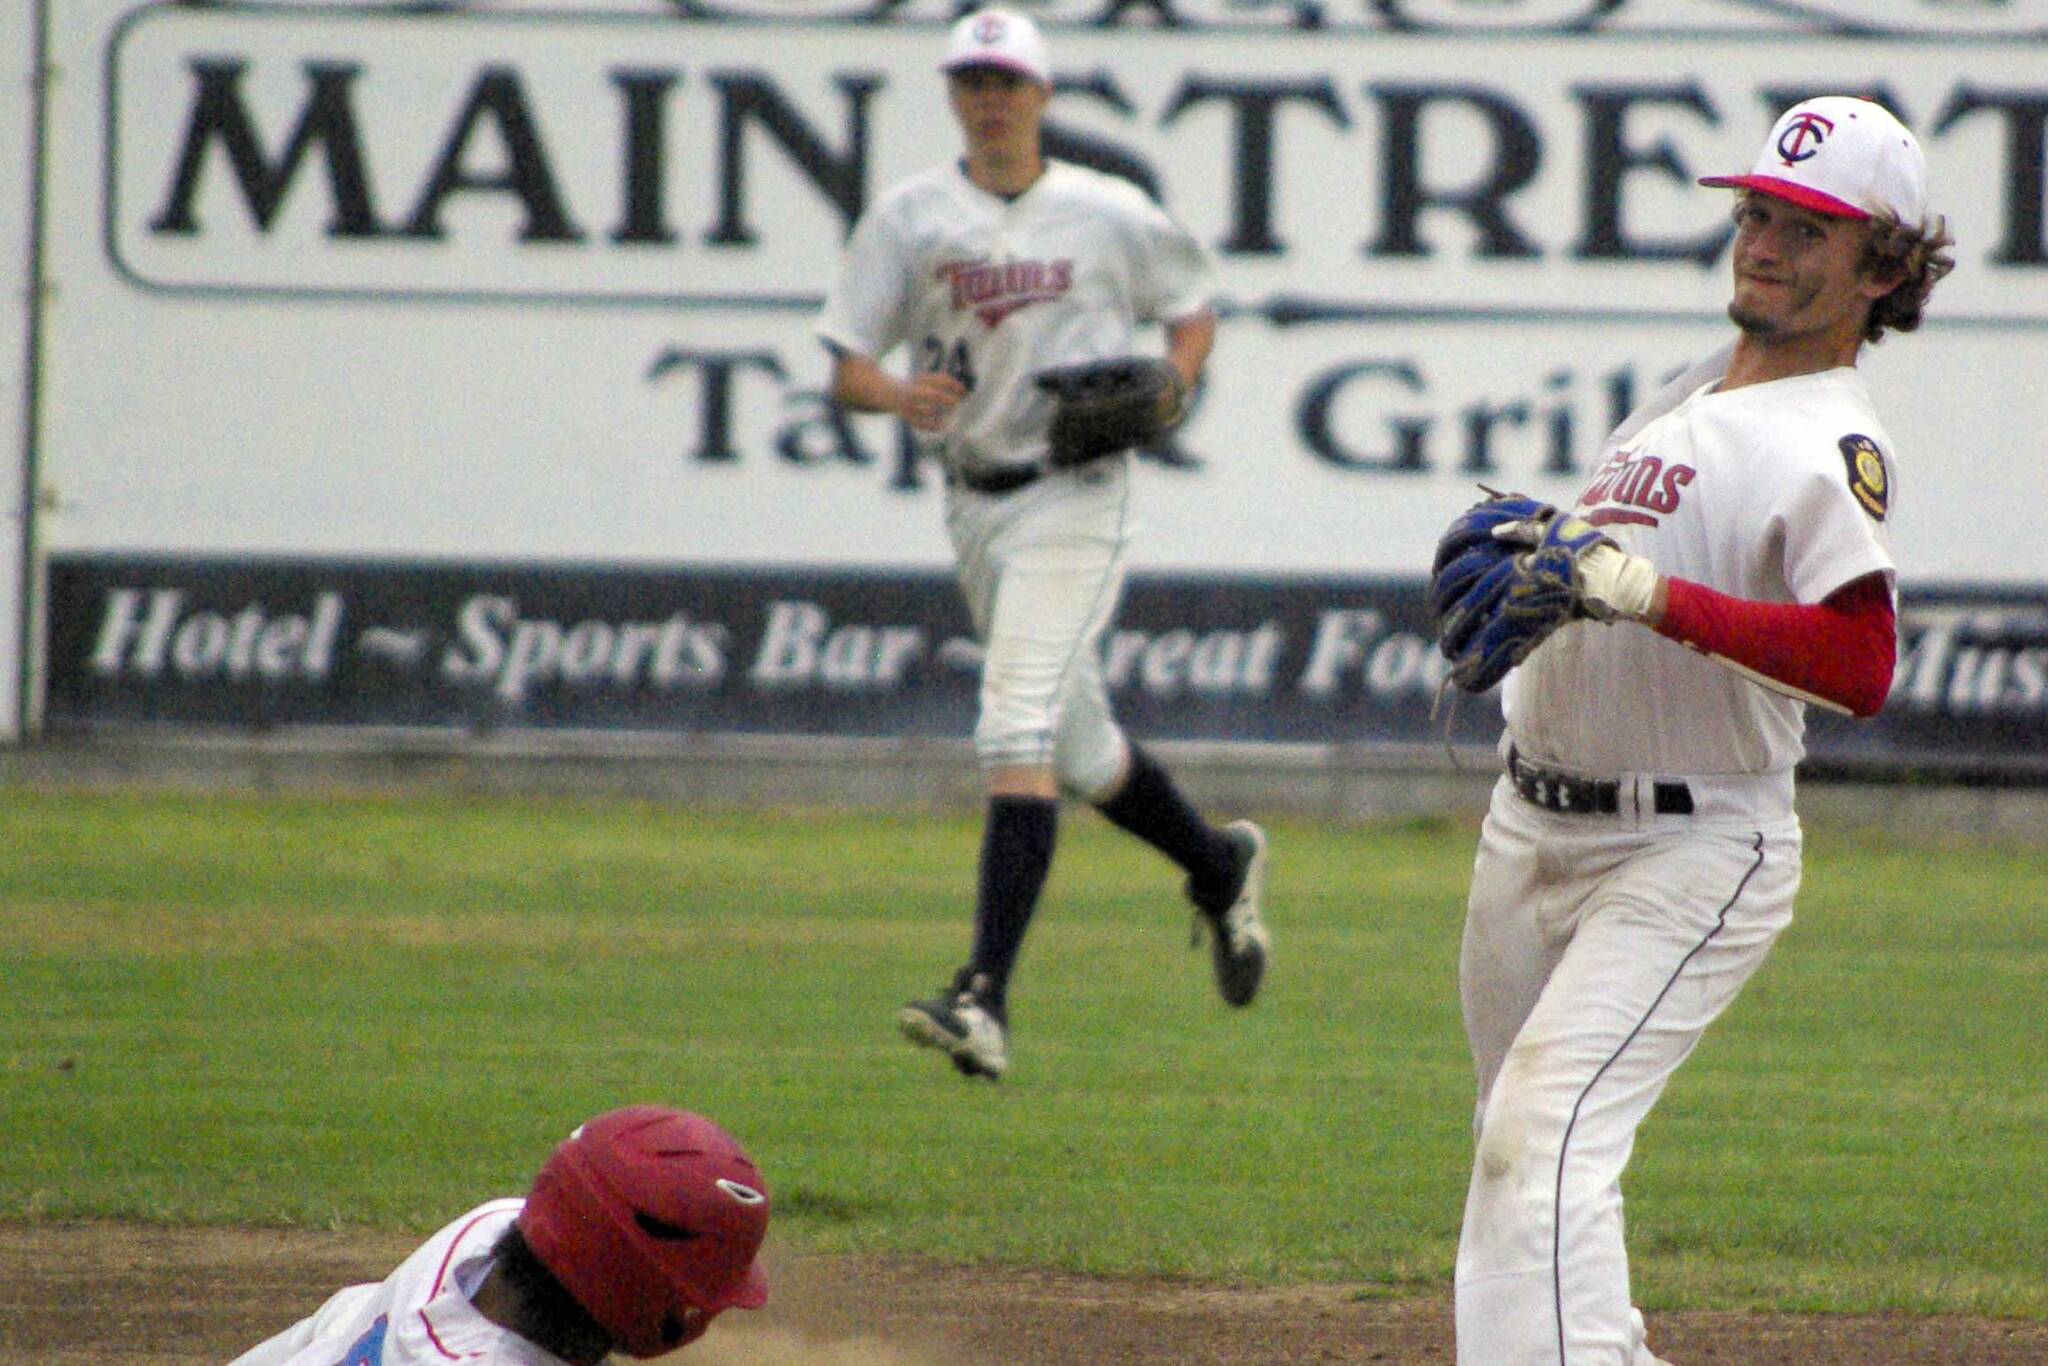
(1842, 649)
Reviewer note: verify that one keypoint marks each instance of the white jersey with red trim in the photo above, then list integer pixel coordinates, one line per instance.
(419, 1315)
(1774, 492)
(993, 290)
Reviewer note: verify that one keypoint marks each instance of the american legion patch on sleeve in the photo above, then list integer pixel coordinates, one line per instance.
(1866, 473)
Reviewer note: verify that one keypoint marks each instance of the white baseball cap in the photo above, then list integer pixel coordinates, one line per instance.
(1843, 156)
(999, 38)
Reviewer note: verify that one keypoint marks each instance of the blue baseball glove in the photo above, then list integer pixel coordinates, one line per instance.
(1469, 550)
(1504, 579)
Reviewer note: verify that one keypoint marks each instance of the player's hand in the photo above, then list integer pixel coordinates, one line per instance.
(927, 400)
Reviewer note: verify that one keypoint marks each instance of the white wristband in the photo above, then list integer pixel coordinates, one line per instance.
(1615, 585)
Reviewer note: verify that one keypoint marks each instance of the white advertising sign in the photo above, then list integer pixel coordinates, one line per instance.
(535, 282)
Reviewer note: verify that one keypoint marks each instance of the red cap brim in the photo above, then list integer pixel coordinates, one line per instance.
(1805, 196)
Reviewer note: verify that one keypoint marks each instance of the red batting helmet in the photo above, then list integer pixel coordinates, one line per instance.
(651, 1218)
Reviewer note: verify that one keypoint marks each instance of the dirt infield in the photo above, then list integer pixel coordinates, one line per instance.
(77, 1294)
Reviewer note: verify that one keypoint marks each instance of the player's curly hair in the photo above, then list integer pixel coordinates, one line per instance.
(1917, 257)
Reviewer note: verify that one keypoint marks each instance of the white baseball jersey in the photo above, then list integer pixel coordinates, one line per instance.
(417, 1315)
(993, 290)
(1774, 492)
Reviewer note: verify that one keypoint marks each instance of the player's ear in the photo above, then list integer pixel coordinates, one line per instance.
(1880, 271)
(1878, 281)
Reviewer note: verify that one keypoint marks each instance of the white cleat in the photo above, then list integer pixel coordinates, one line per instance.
(959, 1024)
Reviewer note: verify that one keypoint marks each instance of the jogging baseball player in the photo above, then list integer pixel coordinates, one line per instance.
(1728, 564)
(640, 1228)
(1018, 283)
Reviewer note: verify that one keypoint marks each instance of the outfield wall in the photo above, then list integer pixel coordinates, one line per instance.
(449, 368)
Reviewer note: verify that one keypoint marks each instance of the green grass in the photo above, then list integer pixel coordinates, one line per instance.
(378, 1012)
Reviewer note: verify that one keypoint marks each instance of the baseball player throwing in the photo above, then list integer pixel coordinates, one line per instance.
(1728, 565)
(1002, 273)
(639, 1230)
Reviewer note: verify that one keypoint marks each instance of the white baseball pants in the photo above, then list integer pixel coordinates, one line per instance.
(1597, 950)
(1042, 569)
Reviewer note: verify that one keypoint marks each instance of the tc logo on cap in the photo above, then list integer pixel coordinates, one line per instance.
(1804, 133)
(989, 29)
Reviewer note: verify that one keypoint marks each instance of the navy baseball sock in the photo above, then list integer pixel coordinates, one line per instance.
(1152, 808)
(1016, 854)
